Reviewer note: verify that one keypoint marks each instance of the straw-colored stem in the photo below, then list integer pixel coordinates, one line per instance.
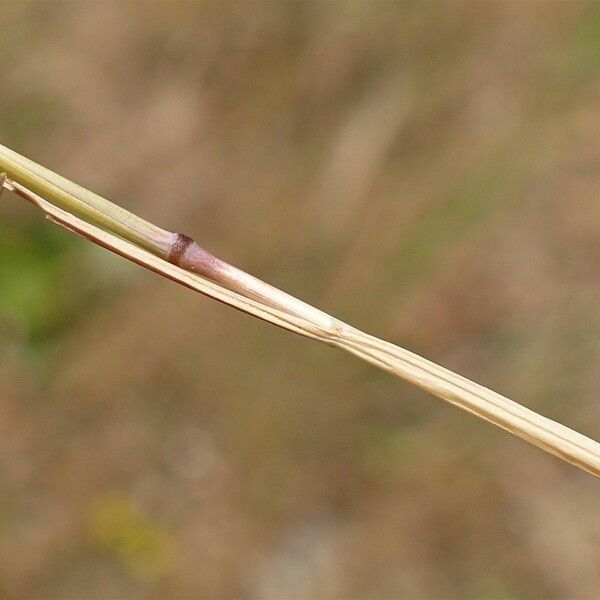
(540, 431)
(246, 293)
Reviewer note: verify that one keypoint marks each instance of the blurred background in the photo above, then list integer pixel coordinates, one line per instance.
(425, 171)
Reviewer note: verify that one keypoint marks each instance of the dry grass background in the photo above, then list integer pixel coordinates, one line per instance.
(426, 171)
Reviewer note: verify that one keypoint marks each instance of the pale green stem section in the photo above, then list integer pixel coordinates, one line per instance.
(94, 209)
(84, 204)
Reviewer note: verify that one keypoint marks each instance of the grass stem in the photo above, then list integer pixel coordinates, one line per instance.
(182, 260)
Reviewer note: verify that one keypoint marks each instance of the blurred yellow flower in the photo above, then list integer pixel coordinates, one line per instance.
(118, 527)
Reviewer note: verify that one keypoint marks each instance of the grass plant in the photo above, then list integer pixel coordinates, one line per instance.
(179, 258)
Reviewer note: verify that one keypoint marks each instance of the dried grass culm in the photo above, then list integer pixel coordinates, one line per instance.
(180, 259)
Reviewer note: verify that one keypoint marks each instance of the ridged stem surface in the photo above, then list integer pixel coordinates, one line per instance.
(72, 207)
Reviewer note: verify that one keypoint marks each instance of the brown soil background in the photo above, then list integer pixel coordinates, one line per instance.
(425, 171)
